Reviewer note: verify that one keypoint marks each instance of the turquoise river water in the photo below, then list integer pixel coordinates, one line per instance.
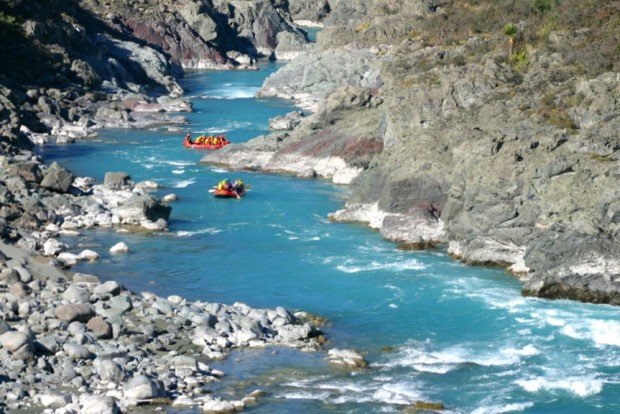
(432, 329)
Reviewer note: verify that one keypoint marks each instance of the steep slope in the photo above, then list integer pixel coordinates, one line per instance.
(498, 124)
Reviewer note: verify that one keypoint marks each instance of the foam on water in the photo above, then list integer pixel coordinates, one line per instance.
(353, 266)
(208, 230)
(183, 183)
(601, 332)
(501, 409)
(582, 386)
(178, 172)
(230, 93)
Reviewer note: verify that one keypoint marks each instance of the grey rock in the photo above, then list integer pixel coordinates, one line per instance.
(13, 340)
(120, 304)
(97, 404)
(142, 207)
(57, 178)
(116, 180)
(107, 288)
(76, 294)
(76, 351)
(85, 278)
(77, 312)
(141, 387)
(100, 327)
(108, 370)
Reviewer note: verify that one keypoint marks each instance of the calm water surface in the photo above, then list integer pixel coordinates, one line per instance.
(431, 328)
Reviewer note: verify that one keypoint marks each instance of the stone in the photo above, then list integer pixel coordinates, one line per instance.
(24, 274)
(97, 404)
(346, 357)
(100, 327)
(169, 198)
(76, 351)
(76, 294)
(116, 180)
(85, 278)
(4, 327)
(14, 340)
(119, 248)
(75, 312)
(143, 207)
(108, 370)
(57, 178)
(19, 289)
(108, 288)
(52, 247)
(217, 406)
(184, 363)
(141, 387)
(88, 255)
(68, 259)
(121, 304)
(54, 400)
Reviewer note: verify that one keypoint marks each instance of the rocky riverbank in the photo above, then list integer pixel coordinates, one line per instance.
(502, 144)
(73, 343)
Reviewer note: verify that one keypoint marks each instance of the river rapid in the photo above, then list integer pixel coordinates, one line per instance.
(431, 328)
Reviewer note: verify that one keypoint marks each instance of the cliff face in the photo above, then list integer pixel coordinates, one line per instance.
(498, 125)
(76, 66)
(72, 67)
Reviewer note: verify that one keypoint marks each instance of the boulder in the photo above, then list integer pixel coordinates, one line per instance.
(108, 288)
(99, 327)
(97, 404)
(54, 400)
(57, 178)
(116, 180)
(108, 370)
(77, 312)
(76, 351)
(143, 207)
(14, 340)
(30, 171)
(142, 387)
(52, 247)
(119, 248)
(76, 294)
(346, 357)
(85, 278)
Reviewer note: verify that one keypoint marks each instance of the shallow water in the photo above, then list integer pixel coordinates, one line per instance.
(431, 328)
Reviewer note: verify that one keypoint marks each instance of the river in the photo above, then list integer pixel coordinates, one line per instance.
(431, 328)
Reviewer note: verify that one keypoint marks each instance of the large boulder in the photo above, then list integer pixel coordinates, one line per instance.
(142, 387)
(57, 178)
(142, 207)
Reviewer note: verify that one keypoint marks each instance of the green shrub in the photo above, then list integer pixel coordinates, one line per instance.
(8, 19)
(543, 5)
(520, 60)
(510, 30)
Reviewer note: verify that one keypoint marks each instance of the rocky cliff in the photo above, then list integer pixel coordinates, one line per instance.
(494, 129)
(72, 67)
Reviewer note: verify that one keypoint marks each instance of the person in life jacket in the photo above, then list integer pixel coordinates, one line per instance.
(188, 138)
(223, 185)
(238, 186)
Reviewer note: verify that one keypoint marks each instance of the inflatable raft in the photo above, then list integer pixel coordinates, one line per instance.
(228, 194)
(195, 145)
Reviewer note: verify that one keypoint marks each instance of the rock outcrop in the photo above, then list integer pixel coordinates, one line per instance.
(504, 144)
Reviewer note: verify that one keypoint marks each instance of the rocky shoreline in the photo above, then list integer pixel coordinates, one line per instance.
(507, 156)
(74, 343)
